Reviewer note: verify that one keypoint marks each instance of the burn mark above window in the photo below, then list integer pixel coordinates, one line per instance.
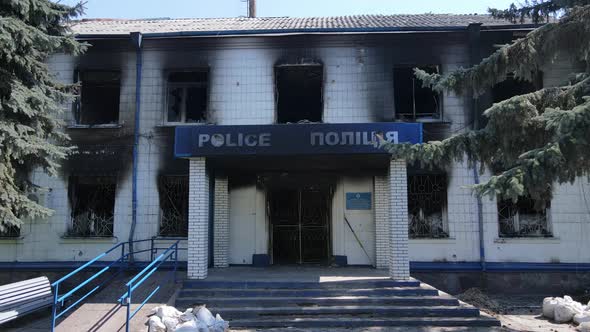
(92, 202)
(523, 218)
(99, 98)
(187, 97)
(299, 93)
(411, 100)
(427, 206)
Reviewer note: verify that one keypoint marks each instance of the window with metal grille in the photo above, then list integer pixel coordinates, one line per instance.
(99, 97)
(173, 192)
(411, 100)
(92, 201)
(523, 219)
(187, 97)
(427, 206)
(10, 232)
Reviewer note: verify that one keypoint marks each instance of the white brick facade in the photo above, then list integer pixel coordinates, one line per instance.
(198, 220)
(382, 222)
(399, 260)
(221, 222)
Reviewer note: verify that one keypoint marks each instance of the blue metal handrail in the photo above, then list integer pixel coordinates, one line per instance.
(171, 253)
(59, 300)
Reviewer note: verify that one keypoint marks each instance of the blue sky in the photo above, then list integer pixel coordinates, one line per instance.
(293, 8)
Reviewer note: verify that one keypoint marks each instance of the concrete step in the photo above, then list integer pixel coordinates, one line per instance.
(385, 283)
(344, 312)
(393, 291)
(351, 322)
(424, 301)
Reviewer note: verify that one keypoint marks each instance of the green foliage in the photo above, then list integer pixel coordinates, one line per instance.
(30, 99)
(530, 141)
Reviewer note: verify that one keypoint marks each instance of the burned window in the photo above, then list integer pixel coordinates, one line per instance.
(427, 205)
(92, 200)
(99, 98)
(187, 97)
(513, 87)
(411, 100)
(299, 93)
(523, 218)
(173, 192)
(10, 232)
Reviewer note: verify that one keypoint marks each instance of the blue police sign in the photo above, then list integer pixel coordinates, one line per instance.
(291, 139)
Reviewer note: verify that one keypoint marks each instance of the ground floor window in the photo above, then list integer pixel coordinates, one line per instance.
(427, 206)
(523, 218)
(173, 193)
(10, 232)
(92, 201)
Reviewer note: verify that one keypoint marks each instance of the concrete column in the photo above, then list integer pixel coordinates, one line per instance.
(198, 220)
(382, 223)
(221, 223)
(399, 261)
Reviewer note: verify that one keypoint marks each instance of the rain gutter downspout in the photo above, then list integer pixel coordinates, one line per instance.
(136, 38)
(475, 57)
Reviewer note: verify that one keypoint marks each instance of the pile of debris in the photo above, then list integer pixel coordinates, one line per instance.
(565, 309)
(200, 319)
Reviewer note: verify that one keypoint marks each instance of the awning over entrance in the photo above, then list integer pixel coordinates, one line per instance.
(291, 139)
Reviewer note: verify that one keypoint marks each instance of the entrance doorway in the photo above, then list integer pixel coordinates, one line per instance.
(299, 221)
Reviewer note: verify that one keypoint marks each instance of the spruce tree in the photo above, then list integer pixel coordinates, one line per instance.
(530, 141)
(30, 101)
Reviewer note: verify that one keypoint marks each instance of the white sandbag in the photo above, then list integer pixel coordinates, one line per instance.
(167, 311)
(155, 324)
(219, 325)
(171, 323)
(202, 327)
(584, 327)
(582, 317)
(205, 316)
(564, 312)
(549, 304)
(187, 316)
(190, 326)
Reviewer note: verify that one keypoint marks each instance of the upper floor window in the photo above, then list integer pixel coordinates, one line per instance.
(427, 206)
(512, 86)
(187, 97)
(99, 98)
(173, 192)
(92, 201)
(411, 100)
(523, 218)
(299, 93)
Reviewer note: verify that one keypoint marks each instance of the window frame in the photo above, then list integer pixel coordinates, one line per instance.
(161, 211)
(548, 224)
(185, 86)
(444, 207)
(413, 116)
(276, 93)
(77, 107)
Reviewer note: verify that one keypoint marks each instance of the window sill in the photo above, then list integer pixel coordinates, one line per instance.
(11, 240)
(446, 240)
(424, 120)
(170, 238)
(89, 239)
(528, 240)
(180, 124)
(96, 126)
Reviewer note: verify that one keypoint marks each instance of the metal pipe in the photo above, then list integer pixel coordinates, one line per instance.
(136, 38)
(251, 8)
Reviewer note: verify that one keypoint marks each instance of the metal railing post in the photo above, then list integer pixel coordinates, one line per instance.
(175, 260)
(152, 250)
(54, 308)
(128, 300)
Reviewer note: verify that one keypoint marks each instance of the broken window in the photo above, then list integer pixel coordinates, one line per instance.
(427, 205)
(299, 93)
(411, 100)
(187, 97)
(10, 232)
(92, 200)
(99, 98)
(513, 87)
(523, 218)
(173, 192)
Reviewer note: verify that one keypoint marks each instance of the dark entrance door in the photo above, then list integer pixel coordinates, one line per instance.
(299, 221)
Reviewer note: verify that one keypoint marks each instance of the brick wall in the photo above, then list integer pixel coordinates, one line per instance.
(221, 222)
(198, 220)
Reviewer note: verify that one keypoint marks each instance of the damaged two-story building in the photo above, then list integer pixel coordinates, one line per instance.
(253, 141)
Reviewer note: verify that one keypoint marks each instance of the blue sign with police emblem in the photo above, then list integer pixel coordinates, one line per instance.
(358, 201)
(292, 139)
